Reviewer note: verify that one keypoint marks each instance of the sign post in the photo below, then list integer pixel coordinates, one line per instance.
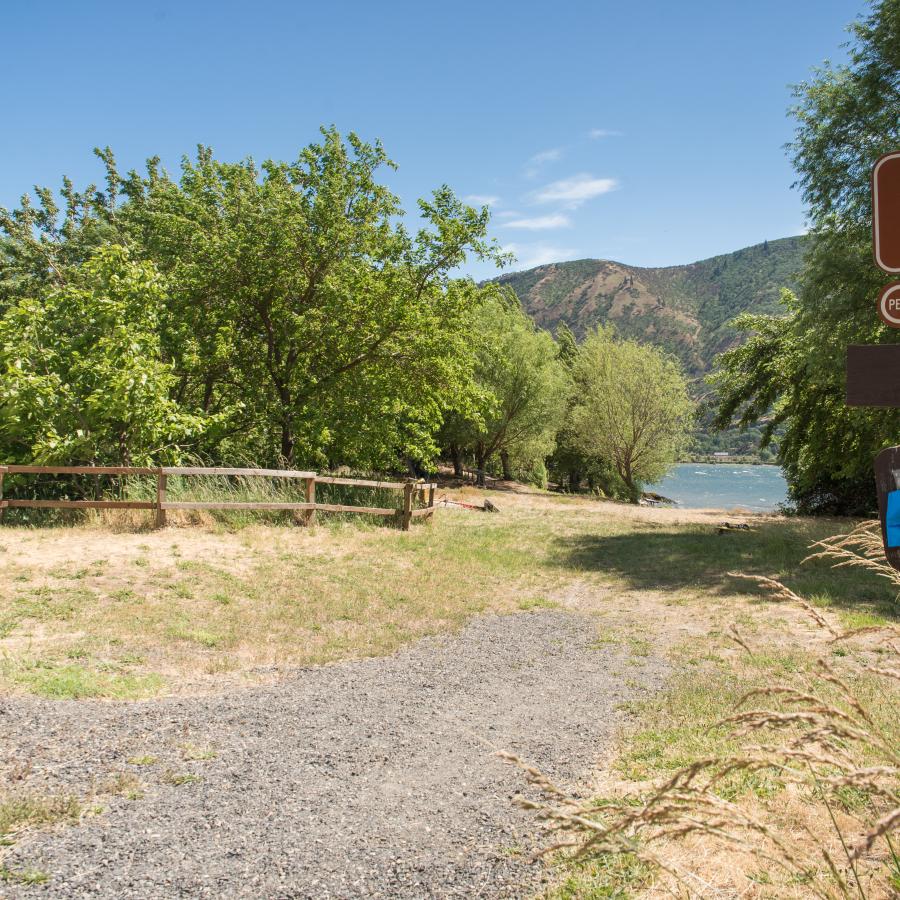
(873, 371)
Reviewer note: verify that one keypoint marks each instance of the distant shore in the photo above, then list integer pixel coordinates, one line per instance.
(727, 460)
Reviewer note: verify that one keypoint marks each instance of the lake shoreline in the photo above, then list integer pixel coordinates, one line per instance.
(726, 485)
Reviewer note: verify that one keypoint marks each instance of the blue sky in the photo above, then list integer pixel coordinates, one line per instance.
(644, 131)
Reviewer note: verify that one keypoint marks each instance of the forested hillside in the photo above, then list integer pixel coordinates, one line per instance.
(684, 309)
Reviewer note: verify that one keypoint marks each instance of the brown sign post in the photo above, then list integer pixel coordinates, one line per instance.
(873, 371)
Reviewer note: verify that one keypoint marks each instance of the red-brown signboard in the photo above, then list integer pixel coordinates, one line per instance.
(886, 211)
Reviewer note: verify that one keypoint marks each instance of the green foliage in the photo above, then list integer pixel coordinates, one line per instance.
(632, 407)
(83, 380)
(520, 388)
(793, 368)
(280, 312)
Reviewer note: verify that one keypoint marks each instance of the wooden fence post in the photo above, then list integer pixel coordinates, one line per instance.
(431, 502)
(311, 498)
(408, 489)
(161, 479)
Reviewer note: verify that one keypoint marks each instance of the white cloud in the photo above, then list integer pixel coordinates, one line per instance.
(482, 199)
(575, 190)
(597, 133)
(540, 223)
(545, 156)
(507, 214)
(533, 166)
(530, 255)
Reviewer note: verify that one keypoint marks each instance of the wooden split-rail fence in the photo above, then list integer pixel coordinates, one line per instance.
(408, 507)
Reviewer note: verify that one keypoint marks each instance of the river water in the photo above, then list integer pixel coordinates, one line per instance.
(723, 486)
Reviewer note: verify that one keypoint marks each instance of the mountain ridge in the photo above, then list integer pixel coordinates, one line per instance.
(684, 308)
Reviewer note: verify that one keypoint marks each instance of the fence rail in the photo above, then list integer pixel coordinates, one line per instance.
(404, 512)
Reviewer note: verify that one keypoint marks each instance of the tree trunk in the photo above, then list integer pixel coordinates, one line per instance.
(628, 478)
(287, 442)
(504, 461)
(456, 453)
(480, 463)
(574, 481)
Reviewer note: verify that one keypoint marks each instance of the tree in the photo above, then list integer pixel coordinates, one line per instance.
(792, 373)
(633, 407)
(520, 389)
(82, 379)
(569, 462)
(300, 314)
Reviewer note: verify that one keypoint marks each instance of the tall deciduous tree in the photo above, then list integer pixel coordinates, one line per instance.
(519, 390)
(298, 279)
(791, 373)
(300, 313)
(633, 407)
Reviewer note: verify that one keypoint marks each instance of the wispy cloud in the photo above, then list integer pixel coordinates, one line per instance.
(596, 133)
(540, 223)
(482, 199)
(534, 165)
(545, 156)
(530, 255)
(575, 190)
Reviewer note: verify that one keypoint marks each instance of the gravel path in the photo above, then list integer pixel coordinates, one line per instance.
(371, 778)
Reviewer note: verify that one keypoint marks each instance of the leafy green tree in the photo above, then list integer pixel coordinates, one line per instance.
(297, 278)
(300, 315)
(632, 408)
(520, 390)
(791, 373)
(569, 464)
(81, 378)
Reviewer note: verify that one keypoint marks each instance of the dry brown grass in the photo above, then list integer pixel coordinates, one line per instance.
(87, 611)
(798, 793)
(114, 609)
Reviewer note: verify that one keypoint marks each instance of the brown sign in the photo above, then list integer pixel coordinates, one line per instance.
(889, 305)
(873, 375)
(886, 211)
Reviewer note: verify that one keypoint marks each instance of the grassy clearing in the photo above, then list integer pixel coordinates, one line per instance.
(85, 612)
(685, 723)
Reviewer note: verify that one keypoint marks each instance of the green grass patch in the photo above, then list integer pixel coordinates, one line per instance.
(18, 811)
(74, 681)
(603, 877)
(142, 760)
(537, 603)
(22, 876)
(680, 725)
(177, 779)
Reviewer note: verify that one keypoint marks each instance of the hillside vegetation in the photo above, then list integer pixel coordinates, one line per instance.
(683, 309)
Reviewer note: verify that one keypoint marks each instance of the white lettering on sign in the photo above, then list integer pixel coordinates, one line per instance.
(889, 305)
